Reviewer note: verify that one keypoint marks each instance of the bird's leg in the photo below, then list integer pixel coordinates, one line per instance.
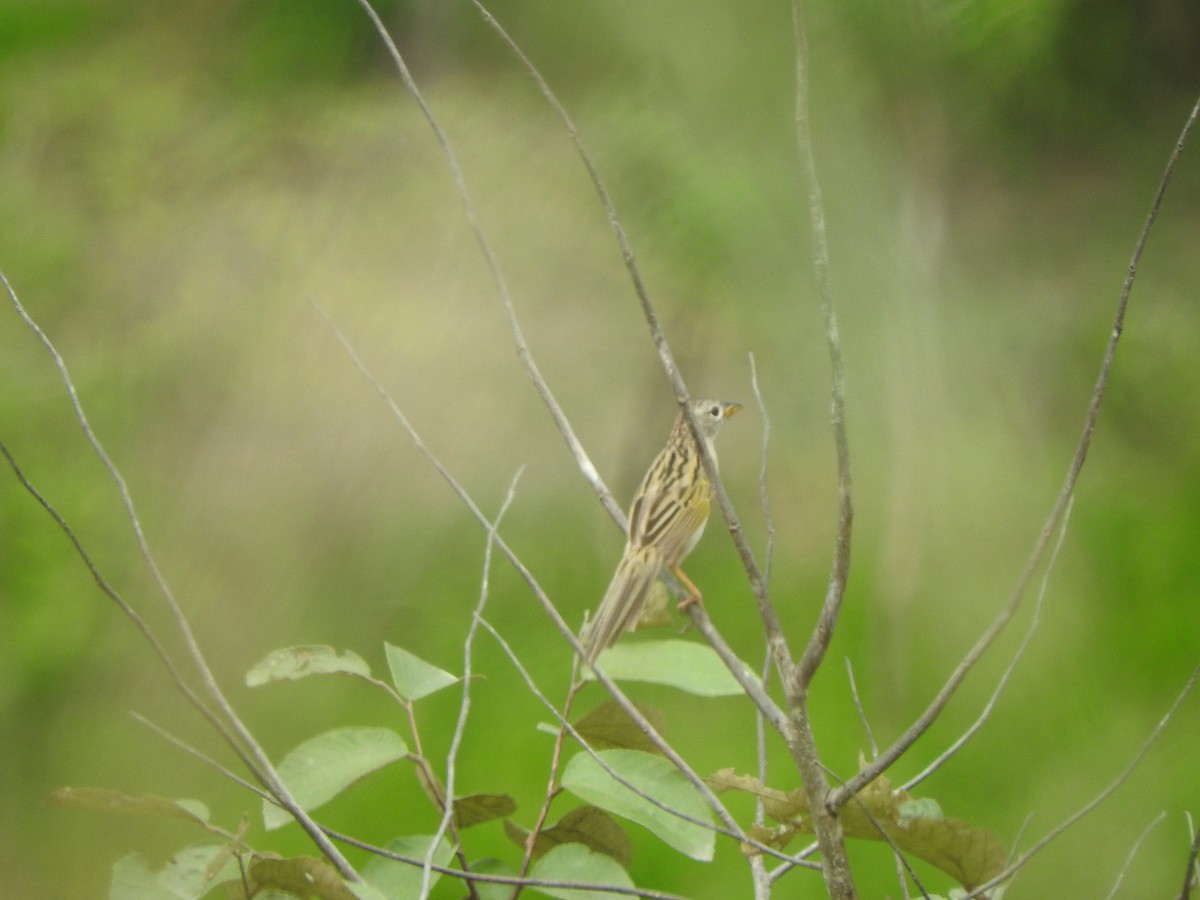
(693, 596)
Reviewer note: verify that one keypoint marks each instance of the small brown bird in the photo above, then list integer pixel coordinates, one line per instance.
(666, 519)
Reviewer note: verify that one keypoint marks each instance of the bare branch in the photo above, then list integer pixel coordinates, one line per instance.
(986, 713)
(755, 690)
(464, 707)
(1132, 853)
(1191, 875)
(1095, 801)
(493, 263)
(862, 713)
(758, 864)
(822, 634)
(764, 497)
(187, 748)
(262, 767)
(835, 865)
(921, 725)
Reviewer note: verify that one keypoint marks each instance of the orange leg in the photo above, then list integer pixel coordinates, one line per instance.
(693, 592)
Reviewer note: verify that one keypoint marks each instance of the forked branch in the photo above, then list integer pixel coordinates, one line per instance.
(841, 795)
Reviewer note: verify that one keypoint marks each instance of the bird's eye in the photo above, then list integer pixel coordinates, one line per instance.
(715, 412)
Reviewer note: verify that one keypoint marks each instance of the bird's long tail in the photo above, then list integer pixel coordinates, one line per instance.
(623, 601)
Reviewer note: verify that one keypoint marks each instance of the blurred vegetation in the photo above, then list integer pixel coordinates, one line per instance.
(178, 181)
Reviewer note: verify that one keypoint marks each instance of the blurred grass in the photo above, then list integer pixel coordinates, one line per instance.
(177, 184)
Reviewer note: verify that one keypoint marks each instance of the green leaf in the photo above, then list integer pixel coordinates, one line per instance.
(393, 878)
(290, 663)
(183, 877)
(691, 667)
(107, 801)
(413, 677)
(478, 808)
(322, 767)
(654, 777)
(574, 862)
(609, 727)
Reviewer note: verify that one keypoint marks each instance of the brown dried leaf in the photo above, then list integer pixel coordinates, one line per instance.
(608, 727)
(477, 808)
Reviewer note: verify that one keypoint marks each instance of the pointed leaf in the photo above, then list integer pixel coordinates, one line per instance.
(322, 767)
(104, 800)
(574, 862)
(653, 777)
(393, 878)
(686, 665)
(478, 808)
(413, 677)
(290, 663)
(609, 727)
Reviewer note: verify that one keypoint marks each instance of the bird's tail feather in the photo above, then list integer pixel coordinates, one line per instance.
(623, 601)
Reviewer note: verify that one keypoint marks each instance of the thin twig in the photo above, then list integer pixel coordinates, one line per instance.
(493, 263)
(261, 767)
(553, 789)
(1132, 853)
(862, 713)
(1095, 801)
(897, 853)
(822, 634)
(758, 863)
(988, 707)
(835, 864)
(181, 744)
(764, 497)
(464, 707)
(111, 592)
(923, 722)
(1191, 874)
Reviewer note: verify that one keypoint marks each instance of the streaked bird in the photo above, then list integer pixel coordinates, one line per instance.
(666, 520)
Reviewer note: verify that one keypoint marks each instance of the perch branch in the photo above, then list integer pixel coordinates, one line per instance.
(758, 583)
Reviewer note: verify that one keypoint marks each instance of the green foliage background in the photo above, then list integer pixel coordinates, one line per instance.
(177, 181)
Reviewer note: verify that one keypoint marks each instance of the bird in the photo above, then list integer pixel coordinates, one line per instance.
(666, 519)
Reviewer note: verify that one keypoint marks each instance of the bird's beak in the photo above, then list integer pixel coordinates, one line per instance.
(732, 408)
